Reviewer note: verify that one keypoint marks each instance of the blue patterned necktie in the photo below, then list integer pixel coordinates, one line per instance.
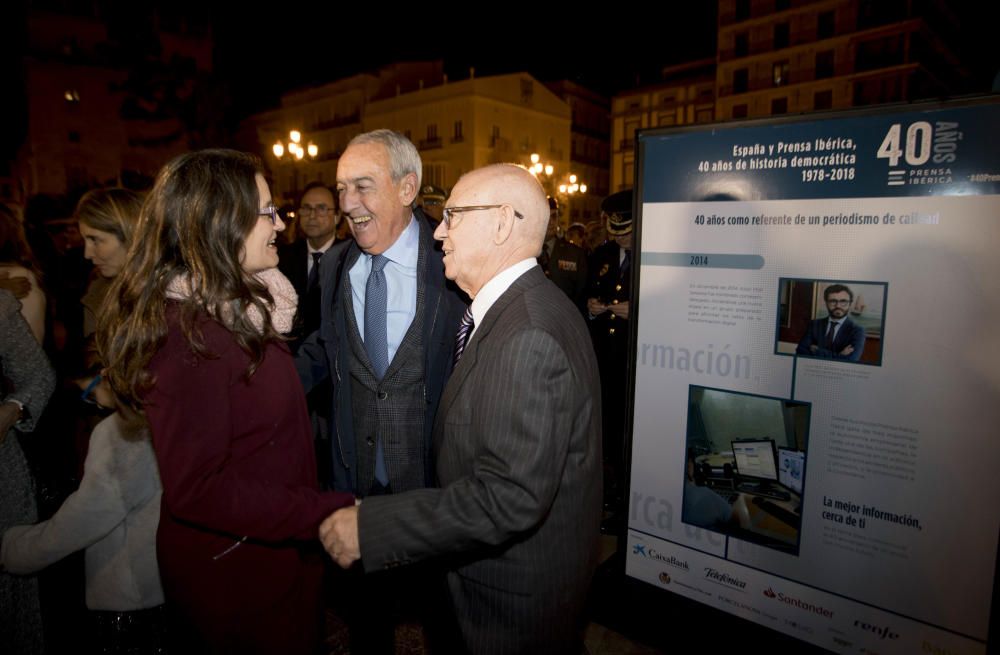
(376, 339)
(377, 343)
(462, 338)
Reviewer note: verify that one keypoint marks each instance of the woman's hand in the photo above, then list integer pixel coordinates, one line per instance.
(19, 286)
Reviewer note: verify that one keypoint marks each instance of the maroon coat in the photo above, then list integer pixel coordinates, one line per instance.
(241, 507)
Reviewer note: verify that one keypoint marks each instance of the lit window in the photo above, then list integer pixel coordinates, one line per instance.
(780, 73)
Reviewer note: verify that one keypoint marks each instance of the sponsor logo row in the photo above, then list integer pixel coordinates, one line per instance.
(883, 632)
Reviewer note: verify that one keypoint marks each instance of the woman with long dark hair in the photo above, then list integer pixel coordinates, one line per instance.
(191, 338)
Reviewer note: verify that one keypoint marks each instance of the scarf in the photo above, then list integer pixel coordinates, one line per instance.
(282, 311)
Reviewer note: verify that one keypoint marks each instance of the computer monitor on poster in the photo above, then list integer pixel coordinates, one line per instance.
(791, 468)
(755, 459)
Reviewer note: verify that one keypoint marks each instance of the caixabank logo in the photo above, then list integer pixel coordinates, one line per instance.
(644, 550)
(797, 602)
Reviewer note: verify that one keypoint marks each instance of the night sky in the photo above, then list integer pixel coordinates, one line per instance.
(293, 46)
(290, 44)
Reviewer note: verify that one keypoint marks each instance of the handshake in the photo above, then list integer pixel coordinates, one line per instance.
(339, 534)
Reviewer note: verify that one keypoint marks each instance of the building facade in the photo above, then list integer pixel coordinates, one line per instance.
(783, 56)
(101, 110)
(685, 97)
(456, 125)
(590, 149)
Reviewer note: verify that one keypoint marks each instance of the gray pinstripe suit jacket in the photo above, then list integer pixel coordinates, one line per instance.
(518, 451)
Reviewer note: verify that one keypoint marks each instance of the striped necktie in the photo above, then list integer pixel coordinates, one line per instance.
(462, 337)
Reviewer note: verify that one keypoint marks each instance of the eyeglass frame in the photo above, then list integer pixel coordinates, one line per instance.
(271, 211)
(309, 210)
(448, 211)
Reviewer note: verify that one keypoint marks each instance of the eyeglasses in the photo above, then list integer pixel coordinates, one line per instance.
(448, 213)
(271, 212)
(842, 303)
(320, 210)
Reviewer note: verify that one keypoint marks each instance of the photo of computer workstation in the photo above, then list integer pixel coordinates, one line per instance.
(745, 470)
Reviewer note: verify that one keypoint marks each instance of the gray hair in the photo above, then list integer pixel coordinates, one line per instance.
(403, 156)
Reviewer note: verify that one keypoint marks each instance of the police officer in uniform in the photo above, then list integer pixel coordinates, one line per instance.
(432, 203)
(564, 263)
(608, 302)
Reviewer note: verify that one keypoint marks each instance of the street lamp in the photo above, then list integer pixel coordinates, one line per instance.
(573, 187)
(294, 147)
(568, 189)
(537, 167)
(296, 153)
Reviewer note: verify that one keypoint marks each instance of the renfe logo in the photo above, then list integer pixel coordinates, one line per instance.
(882, 632)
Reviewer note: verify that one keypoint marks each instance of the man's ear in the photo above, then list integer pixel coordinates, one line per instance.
(505, 225)
(408, 189)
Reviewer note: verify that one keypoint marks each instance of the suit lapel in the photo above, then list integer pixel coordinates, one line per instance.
(332, 271)
(470, 356)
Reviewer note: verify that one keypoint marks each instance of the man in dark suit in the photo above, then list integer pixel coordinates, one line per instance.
(561, 261)
(836, 336)
(517, 440)
(299, 261)
(385, 340)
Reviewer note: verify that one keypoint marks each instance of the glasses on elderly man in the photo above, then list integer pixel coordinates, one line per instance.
(320, 210)
(271, 212)
(450, 220)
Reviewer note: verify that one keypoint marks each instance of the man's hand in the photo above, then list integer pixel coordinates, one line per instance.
(19, 286)
(814, 349)
(619, 309)
(339, 534)
(596, 307)
(848, 349)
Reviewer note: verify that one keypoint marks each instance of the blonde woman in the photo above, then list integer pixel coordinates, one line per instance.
(107, 218)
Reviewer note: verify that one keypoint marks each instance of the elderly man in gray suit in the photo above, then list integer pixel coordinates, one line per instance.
(385, 343)
(517, 439)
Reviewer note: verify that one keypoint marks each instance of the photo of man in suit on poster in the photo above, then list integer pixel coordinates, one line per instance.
(836, 336)
(838, 320)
